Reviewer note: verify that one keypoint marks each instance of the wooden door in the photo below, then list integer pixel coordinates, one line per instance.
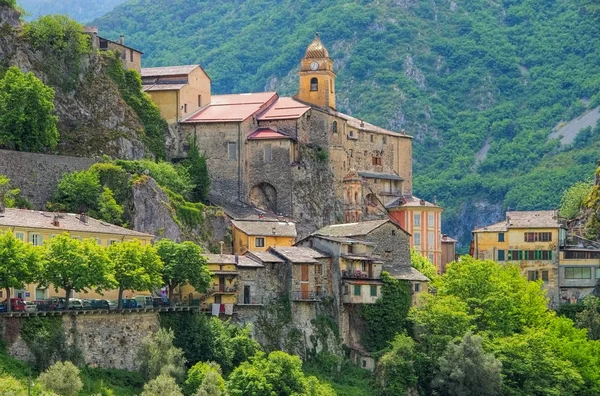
(304, 290)
(304, 272)
(221, 283)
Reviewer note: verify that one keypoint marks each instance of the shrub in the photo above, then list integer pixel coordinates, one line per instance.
(204, 372)
(62, 378)
(108, 208)
(163, 385)
(158, 356)
(27, 121)
(77, 192)
(574, 198)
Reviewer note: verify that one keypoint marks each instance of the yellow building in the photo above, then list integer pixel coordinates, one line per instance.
(260, 235)
(36, 227)
(178, 91)
(531, 239)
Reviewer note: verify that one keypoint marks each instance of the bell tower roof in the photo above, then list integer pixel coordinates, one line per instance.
(316, 49)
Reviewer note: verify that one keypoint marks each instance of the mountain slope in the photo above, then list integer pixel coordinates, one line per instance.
(480, 84)
(80, 10)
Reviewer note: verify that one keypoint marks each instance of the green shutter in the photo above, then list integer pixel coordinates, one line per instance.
(549, 254)
(520, 255)
(373, 291)
(357, 290)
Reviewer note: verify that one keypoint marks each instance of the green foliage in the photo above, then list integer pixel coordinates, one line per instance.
(11, 197)
(422, 264)
(75, 265)
(345, 377)
(108, 208)
(277, 374)
(9, 3)
(136, 267)
(212, 385)
(204, 373)
(63, 45)
(396, 372)
(206, 339)
(589, 318)
(573, 199)
(592, 226)
(19, 263)
(163, 385)
(450, 76)
(498, 297)
(27, 120)
(159, 357)
(385, 318)
(467, 370)
(198, 171)
(45, 338)
(77, 192)
(183, 264)
(129, 83)
(62, 378)
(176, 179)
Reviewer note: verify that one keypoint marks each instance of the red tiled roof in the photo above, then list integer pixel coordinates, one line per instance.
(266, 133)
(233, 108)
(284, 109)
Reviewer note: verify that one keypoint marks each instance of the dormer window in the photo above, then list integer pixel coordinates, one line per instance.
(314, 84)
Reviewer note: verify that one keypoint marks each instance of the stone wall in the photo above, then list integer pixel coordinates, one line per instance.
(107, 340)
(37, 175)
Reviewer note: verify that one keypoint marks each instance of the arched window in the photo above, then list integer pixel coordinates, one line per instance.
(355, 197)
(334, 127)
(314, 84)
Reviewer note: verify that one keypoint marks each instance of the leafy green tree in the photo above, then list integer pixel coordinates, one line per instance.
(212, 385)
(27, 120)
(385, 318)
(9, 3)
(62, 378)
(589, 318)
(396, 372)
(467, 370)
(198, 374)
(136, 267)
(19, 263)
(158, 356)
(163, 385)
(11, 197)
(76, 265)
(183, 264)
(77, 192)
(573, 199)
(422, 264)
(108, 208)
(198, 171)
(499, 298)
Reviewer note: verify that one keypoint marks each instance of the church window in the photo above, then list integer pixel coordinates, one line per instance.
(130, 55)
(232, 150)
(334, 127)
(372, 138)
(268, 155)
(355, 197)
(331, 86)
(314, 84)
(185, 107)
(199, 100)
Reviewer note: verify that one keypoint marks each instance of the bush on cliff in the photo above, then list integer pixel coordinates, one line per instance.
(62, 378)
(158, 356)
(27, 120)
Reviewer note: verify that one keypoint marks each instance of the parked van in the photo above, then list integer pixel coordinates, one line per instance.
(144, 301)
(75, 303)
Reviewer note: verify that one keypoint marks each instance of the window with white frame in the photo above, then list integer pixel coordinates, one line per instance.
(259, 242)
(35, 239)
(417, 238)
(431, 220)
(20, 235)
(417, 220)
(430, 238)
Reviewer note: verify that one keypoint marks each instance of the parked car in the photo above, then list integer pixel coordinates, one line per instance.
(75, 304)
(158, 302)
(57, 302)
(144, 301)
(129, 303)
(16, 304)
(87, 304)
(30, 306)
(99, 304)
(112, 304)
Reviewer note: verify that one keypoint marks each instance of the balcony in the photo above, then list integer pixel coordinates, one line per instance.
(307, 296)
(222, 289)
(350, 274)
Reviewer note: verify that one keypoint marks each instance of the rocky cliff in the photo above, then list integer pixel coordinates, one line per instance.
(93, 119)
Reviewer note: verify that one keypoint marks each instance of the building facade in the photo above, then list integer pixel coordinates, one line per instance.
(260, 235)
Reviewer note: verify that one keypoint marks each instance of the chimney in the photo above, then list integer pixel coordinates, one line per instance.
(237, 259)
(83, 218)
(274, 230)
(422, 202)
(221, 243)
(362, 124)
(56, 221)
(122, 40)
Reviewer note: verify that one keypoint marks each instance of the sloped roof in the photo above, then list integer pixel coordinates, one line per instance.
(376, 175)
(68, 222)
(525, 219)
(351, 229)
(266, 134)
(229, 259)
(366, 126)
(167, 71)
(233, 107)
(162, 87)
(297, 254)
(265, 257)
(265, 228)
(406, 273)
(408, 201)
(316, 49)
(284, 109)
(447, 239)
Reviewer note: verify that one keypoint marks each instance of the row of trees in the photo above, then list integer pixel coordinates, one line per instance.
(81, 265)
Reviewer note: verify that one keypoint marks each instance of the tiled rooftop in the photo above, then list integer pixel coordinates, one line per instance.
(298, 254)
(351, 229)
(525, 219)
(167, 71)
(265, 227)
(233, 108)
(230, 259)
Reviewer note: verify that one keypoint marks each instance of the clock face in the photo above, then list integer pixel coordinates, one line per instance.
(314, 66)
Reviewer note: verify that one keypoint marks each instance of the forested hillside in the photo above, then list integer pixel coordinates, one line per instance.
(80, 10)
(480, 84)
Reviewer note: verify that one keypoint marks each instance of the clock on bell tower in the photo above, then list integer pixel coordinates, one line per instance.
(317, 79)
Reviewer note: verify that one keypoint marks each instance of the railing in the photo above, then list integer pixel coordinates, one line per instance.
(253, 300)
(307, 296)
(222, 289)
(356, 275)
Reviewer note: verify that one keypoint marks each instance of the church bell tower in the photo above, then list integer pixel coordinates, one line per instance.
(317, 79)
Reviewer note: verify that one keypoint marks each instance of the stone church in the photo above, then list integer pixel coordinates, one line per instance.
(298, 156)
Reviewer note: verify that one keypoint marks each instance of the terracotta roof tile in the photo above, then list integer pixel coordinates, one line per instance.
(284, 109)
(267, 133)
(233, 108)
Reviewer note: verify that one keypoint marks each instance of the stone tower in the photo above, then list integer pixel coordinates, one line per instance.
(353, 202)
(317, 79)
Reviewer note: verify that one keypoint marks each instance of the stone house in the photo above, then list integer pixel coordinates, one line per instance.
(260, 235)
(131, 57)
(532, 239)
